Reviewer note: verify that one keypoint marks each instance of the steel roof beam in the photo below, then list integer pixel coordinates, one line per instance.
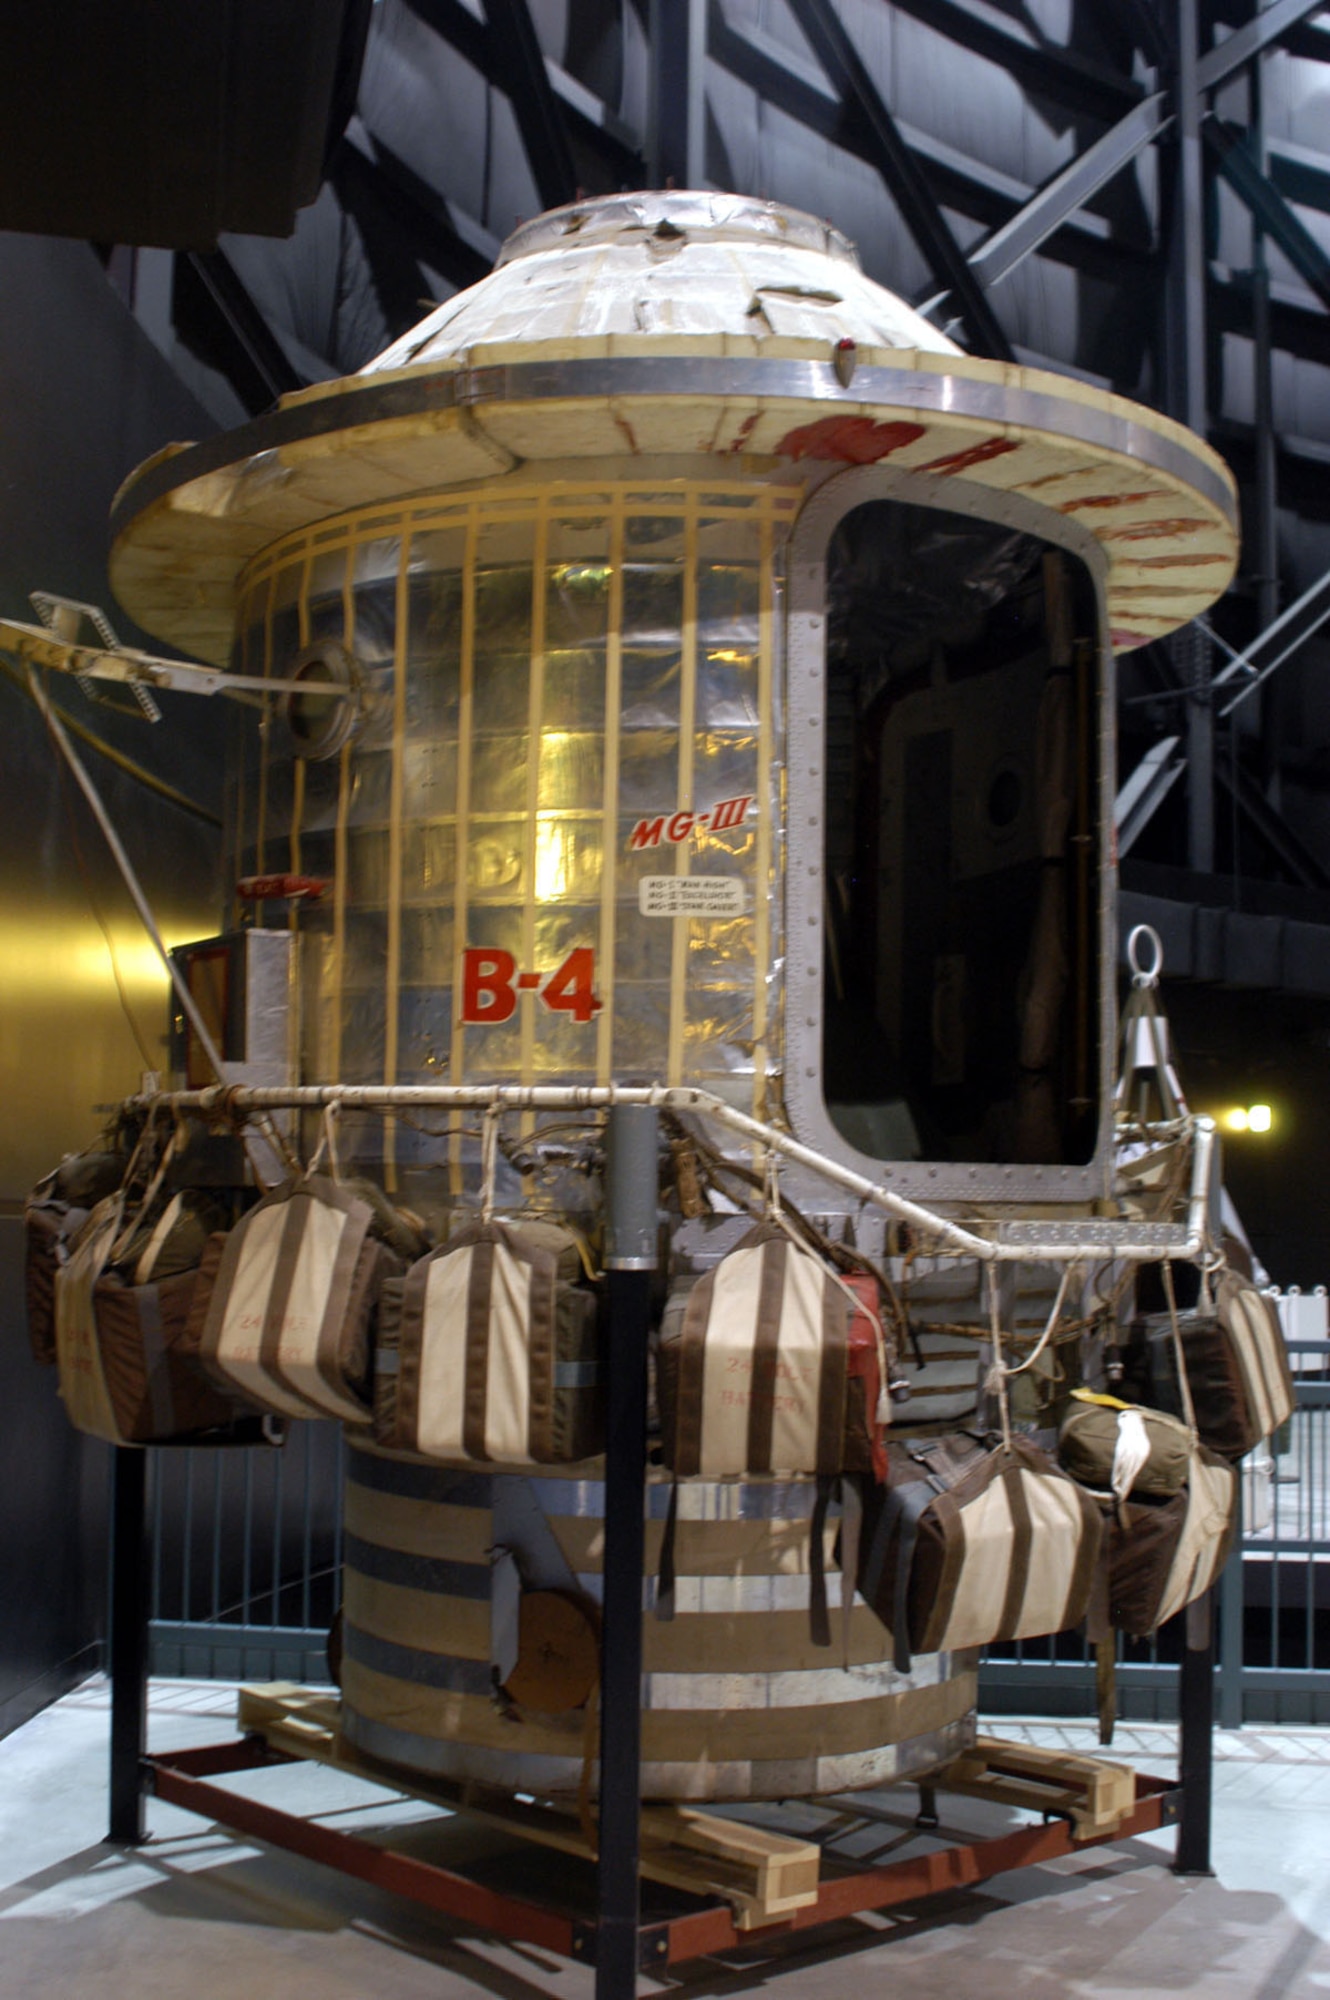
(260, 368)
(585, 116)
(1267, 205)
(1059, 73)
(1264, 32)
(1279, 641)
(1299, 173)
(1272, 827)
(424, 213)
(900, 170)
(1078, 182)
(522, 76)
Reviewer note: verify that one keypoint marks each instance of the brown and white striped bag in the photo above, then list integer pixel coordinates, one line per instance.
(489, 1350)
(754, 1376)
(284, 1304)
(1162, 1554)
(973, 1541)
(1236, 1362)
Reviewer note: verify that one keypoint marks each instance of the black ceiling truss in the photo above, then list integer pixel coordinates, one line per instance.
(215, 317)
(900, 170)
(968, 186)
(603, 160)
(1267, 205)
(520, 72)
(421, 214)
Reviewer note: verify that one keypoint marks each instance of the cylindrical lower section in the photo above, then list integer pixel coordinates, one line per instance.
(737, 1700)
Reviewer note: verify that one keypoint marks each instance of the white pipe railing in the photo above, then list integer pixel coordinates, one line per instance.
(947, 1236)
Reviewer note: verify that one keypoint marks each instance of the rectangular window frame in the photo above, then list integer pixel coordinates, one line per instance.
(806, 640)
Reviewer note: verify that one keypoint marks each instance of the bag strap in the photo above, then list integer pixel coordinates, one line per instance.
(851, 1536)
(775, 1214)
(1179, 1353)
(819, 1625)
(665, 1574)
(327, 1145)
(489, 1159)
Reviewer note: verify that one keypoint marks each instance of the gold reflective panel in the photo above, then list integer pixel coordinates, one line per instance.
(575, 688)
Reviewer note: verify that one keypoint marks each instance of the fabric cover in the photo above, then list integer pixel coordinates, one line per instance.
(1161, 1554)
(126, 1370)
(489, 1350)
(1237, 1367)
(757, 1378)
(973, 1541)
(53, 1215)
(1089, 1439)
(284, 1305)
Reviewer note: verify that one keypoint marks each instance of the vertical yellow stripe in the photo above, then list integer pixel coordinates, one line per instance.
(535, 710)
(765, 888)
(393, 985)
(609, 869)
(298, 774)
(265, 728)
(687, 737)
(465, 705)
(337, 970)
(237, 752)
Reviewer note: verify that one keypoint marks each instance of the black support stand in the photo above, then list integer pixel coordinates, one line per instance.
(1196, 1745)
(631, 1173)
(129, 1645)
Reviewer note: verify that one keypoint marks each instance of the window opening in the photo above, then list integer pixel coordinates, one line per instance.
(961, 968)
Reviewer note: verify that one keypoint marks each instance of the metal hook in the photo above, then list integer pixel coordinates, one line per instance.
(1145, 975)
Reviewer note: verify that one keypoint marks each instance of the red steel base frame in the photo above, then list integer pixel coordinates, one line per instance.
(181, 1778)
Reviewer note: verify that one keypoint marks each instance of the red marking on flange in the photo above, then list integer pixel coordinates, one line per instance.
(974, 454)
(1153, 531)
(1113, 500)
(1174, 562)
(745, 431)
(1122, 642)
(856, 440)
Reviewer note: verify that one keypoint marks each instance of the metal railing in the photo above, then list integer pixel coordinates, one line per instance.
(247, 1558)
(246, 1563)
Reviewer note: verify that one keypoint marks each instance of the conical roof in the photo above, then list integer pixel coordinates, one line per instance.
(670, 327)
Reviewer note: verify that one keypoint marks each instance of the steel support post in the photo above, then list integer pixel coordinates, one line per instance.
(1231, 1609)
(678, 31)
(1265, 555)
(631, 1205)
(1196, 1708)
(1187, 398)
(129, 1644)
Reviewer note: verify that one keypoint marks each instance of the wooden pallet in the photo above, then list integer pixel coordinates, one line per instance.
(1096, 1796)
(762, 1875)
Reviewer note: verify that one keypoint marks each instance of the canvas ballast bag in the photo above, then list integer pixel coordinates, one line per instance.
(285, 1302)
(128, 1373)
(53, 1215)
(974, 1541)
(1121, 1448)
(1236, 1361)
(489, 1350)
(755, 1375)
(1161, 1554)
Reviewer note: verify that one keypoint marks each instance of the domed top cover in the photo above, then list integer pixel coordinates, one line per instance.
(653, 265)
(655, 328)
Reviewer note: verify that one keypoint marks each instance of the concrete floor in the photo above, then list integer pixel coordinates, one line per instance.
(199, 1913)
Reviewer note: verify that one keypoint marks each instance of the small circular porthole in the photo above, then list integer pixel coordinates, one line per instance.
(320, 724)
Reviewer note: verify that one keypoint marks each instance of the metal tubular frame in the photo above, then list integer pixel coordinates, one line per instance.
(183, 1778)
(1014, 1243)
(617, 1941)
